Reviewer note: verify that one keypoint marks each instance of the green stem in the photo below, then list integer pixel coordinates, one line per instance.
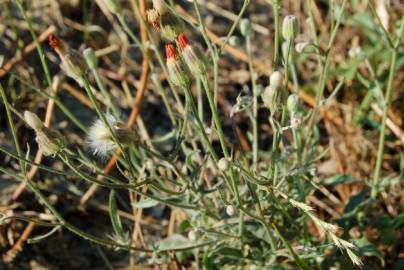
(387, 101)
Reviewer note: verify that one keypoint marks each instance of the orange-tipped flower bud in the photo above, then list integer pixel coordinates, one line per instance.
(191, 55)
(73, 62)
(56, 43)
(176, 72)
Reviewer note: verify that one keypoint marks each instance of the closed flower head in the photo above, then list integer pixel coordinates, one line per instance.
(72, 61)
(191, 55)
(289, 27)
(176, 72)
(50, 141)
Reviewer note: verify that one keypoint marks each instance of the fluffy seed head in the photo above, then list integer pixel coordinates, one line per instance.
(33, 120)
(101, 140)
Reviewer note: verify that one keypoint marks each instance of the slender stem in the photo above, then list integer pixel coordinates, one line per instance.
(276, 6)
(255, 102)
(386, 106)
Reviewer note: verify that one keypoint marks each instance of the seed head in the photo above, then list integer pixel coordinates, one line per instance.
(176, 72)
(191, 55)
(101, 140)
(289, 27)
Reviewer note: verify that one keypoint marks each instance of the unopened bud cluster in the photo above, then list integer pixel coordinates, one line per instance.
(49, 140)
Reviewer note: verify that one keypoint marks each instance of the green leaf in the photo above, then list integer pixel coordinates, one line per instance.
(146, 203)
(115, 219)
(339, 179)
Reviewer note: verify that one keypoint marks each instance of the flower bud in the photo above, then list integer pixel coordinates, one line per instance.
(33, 120)
(270, 97)
(245, 27)
(223, 164)
(176, 72)
(50, 141)
(160, 6)
(293, 104)
(289, 27)
(234, 41)
(230, 210)
(192, 57)
(72, 61)
(276, 79)
(91, 58)
(113, 6)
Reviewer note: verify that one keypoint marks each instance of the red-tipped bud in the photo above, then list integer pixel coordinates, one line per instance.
(191, 55)
(171, 52)
(176, 72)
(55, 43)
(182, 41)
